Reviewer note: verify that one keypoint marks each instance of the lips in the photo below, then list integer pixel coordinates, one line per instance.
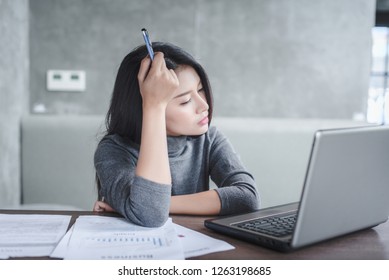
(204, 121)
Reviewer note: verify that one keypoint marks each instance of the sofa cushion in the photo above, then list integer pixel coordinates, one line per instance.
(276, 152)
(57, 159)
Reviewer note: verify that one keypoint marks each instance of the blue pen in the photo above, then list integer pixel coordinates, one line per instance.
(148, 43)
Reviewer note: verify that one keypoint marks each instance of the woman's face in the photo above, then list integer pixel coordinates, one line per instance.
(187, 112)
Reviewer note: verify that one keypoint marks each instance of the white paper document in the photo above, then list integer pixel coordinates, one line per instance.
(97, 241)
(197, 244)
(30, 235)
(111, 238)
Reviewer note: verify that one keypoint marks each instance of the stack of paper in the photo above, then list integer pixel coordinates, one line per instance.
(99, 237)
(30, 235)
(95, 237)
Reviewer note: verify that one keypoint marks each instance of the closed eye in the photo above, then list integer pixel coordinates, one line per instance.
(186, 102)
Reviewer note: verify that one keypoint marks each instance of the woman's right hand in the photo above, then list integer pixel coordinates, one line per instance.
(156, 82)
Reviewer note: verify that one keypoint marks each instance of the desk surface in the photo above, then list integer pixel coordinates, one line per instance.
(370, 244)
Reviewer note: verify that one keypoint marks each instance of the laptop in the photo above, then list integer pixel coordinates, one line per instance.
(346, 189)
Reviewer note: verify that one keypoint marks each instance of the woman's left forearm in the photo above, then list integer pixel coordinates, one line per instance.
(202, 203)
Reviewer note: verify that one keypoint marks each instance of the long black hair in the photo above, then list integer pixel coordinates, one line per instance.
(124, 116)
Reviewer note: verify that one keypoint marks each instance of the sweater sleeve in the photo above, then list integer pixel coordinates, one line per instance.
(139, 200)
(236, 187)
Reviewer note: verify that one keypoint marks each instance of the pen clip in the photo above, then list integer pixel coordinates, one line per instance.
(148, 43)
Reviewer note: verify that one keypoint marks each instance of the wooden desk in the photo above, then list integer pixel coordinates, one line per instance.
(370, 244)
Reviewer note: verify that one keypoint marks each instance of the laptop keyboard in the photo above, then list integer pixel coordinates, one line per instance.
(278, 226)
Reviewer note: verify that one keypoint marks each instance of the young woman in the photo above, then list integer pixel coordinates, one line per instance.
(159, 151)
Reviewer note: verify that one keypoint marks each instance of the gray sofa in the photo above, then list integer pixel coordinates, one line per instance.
(57, 156)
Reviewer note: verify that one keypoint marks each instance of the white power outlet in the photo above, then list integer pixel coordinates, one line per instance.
(65, 80)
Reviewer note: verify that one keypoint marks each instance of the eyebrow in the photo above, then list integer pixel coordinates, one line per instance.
(182, 94)
(187, 92)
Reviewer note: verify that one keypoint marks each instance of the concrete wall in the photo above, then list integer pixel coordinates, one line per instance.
(14, 89)
(284, 58)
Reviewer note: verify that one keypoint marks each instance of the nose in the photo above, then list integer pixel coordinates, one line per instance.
(202, 104)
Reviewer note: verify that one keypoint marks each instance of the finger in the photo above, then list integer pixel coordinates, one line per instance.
(144, 68)
(97, 207)
(174, 75)
(101, 206)
(159, 61)
(105, 207)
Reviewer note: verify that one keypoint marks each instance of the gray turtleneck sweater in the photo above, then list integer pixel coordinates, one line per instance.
(193, 160)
